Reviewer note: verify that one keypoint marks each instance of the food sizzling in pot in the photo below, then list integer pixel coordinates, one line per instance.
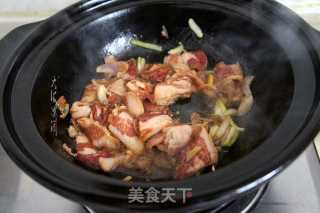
(130, 119)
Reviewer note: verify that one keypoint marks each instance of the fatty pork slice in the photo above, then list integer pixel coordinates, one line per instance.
(167, 93)
(111, 163)
(151, 124)
(122, 125)
(196, 60)
(198, 154)
(230, 80)
(89, 94)
(80, 109)
(177, 137)
(156, 73)
(142, 89)
(172, 139)
(96, 159)
(98, 134)
(99, 113)
(87, 153)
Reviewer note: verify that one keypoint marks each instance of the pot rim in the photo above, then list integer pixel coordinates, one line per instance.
(34, 167)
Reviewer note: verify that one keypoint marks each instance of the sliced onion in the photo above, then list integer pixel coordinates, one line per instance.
(68, 150)
(247, 83)
(213, 131)
(102, 94)
(231, 112)
(109, 70)
(135, 105)
(246, 102)
(233, 124)
(118, 87)
(223, 128)
(220, 109)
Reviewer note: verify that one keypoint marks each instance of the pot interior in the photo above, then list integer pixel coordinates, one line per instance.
(228, 37)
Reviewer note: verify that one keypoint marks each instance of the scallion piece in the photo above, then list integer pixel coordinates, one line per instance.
(141, 62)
(177, 50)
(231, 138)
(195, 28)
(146, 45)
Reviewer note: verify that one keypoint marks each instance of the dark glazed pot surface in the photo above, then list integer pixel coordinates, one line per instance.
(269, 41)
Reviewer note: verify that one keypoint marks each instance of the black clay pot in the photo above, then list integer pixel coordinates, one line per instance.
(58, 56)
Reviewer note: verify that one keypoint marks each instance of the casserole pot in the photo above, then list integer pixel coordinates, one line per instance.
(58, 56)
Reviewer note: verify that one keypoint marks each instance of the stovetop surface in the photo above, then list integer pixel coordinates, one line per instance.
(296, 190)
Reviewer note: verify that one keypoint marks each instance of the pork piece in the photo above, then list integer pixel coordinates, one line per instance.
(80, 109)
(156, 72)
(230, 80)
(143, 89)
(167, 93)
(151, 124)
(114, 99)
(110, 163)
(72, 131)
(174, 59)
(98, 134)
(89, 94)
(196, 60)
(142, 163)
(176, 138)
(68, 150)
(198, 154)
(155, 140)
(63, 107)
(135, 105)
(82, 139)
(248, 100)
(180, 85)
(153, 108)
(162, 160)
(102, 82)
(99, 113)
(118, 87)
(172, 139)
(99, 159)
(87, 153)
(197, 82)
(122, 125)
(132, 70)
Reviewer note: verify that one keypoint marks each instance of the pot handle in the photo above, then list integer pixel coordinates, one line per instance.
(13, 39)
